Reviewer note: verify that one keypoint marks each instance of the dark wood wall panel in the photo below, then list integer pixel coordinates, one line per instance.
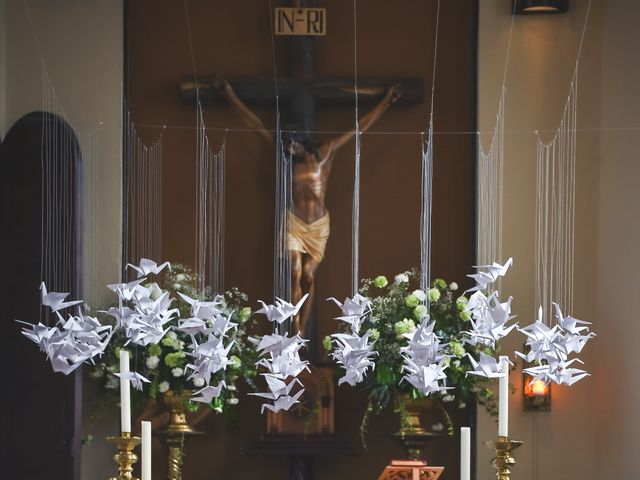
(394, 39)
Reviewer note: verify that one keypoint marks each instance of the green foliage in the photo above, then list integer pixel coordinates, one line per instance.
(396, 309)
(164, 363)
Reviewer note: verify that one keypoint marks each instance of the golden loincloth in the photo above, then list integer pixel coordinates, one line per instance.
(309, 238)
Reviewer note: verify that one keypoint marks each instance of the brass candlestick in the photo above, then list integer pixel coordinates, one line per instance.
(125, 458)
(177, 431)
(503, 459)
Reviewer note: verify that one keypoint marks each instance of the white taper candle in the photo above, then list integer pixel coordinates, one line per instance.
(125, 394)
(146, 450)
(465, 453)
(503, 412)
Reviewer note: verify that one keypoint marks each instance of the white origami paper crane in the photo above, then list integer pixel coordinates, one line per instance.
(209, 357)
(489, 318)
(71, 341)
(277, 387)
(281, 310)
(551, 347)
(426, 378)
(126, 291)
(135, 378)
(424, 359)
(354, 310)
(487, 367)
(208, 393)
(203, 310)
(280, 356)
(55, 300)
(487, 274)
(147, 267)
(194, 326)
(143, 324)
(353, 351)
(285, 402)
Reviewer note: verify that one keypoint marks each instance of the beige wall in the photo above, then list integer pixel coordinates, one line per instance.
(81, 46)
(590, 425)
(617, 391)
(81, 43)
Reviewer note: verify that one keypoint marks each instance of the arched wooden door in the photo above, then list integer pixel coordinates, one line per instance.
(40, 410)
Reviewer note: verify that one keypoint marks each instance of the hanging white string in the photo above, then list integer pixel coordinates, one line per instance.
(142, 234)
(210, 207)
(490, 180)
(61, 195)
(426, 191)
(555, 205)
(490, 193)
(210, 197)
(283, 200)
(355, 214)
(91, 146)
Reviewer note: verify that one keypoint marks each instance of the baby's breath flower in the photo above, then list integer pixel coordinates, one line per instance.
(402, 278)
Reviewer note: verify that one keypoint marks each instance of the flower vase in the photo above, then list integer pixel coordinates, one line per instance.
(412, 434)
(177, 430)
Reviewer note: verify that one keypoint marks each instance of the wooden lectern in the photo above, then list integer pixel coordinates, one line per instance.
(410, 470)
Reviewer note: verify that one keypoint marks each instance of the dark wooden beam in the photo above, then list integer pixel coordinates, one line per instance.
(324, 90)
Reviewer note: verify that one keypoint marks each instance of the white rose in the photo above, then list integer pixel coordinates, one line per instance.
(453, 286)
(172, 335)
(152, 362)
(177, 372)
(420, 294)
(402, 278)
(437, 427)
(198, 382)
(163, 387)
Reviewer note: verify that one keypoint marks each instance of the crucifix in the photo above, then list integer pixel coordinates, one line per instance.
(301, 93)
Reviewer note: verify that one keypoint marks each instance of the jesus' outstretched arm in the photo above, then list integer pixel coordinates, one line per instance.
(365, 123)
(250, 119)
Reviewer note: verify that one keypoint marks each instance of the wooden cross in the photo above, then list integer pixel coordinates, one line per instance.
(303, 90)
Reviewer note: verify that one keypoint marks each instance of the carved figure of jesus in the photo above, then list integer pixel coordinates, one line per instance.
(308, 227)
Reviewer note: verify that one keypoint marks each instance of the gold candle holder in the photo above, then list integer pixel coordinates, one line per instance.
(503, 460)
(125, 457)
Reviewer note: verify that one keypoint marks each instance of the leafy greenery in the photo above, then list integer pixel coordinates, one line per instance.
(397, 307)
(164, 364)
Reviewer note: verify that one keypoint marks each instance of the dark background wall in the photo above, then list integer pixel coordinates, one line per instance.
(394, 39)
